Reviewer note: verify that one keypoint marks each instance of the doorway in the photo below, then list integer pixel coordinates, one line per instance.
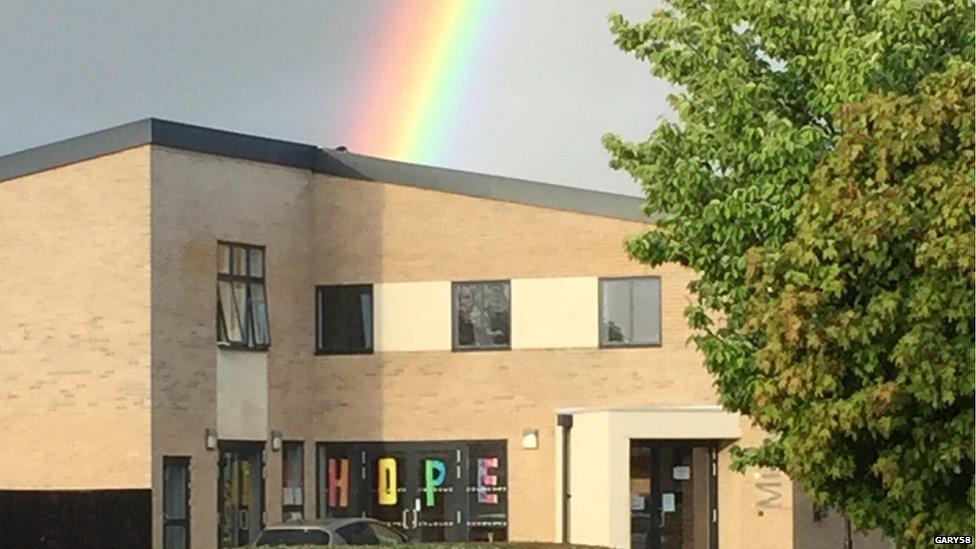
(240, 493)
(673, 494)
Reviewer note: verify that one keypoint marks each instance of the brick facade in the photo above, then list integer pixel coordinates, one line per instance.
(107, 332)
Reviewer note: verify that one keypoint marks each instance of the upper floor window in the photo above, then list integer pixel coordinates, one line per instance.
(630, 311)
(242, 305)
(344, 319)
(482, 315)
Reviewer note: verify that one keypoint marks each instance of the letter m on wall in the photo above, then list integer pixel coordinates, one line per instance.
(770, 487)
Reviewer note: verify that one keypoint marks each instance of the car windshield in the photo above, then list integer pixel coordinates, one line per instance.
(293, 537)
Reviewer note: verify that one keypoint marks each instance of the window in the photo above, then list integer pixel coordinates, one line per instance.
(293, 481)
(358, 533)
(630, 311)
(344, 319)
(176, 502)
(386, 536)
(482, 315)
(292, 536)
(242, 305)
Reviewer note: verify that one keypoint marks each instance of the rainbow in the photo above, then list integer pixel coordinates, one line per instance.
(409, 99)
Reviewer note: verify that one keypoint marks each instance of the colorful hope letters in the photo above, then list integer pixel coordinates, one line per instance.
(387, 481)
(430, 481)
(338, 482)
(486, 480)
(435, 473)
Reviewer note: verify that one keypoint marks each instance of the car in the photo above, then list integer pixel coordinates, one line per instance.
(330, 531)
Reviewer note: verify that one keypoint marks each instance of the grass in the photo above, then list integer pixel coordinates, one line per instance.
(460, 545)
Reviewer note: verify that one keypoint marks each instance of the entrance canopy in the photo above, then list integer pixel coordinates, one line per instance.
(657, 422)
(594, 462)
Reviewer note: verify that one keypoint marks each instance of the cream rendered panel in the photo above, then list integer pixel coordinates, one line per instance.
(590, 473)
(412, 316)
(554, 312)
(242, 395)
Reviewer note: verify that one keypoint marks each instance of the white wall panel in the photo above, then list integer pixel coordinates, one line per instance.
(412, 316)
(554, 312)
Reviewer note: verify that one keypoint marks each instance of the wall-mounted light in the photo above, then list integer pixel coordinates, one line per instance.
(530, 439)
(276, 441)
(210, 439)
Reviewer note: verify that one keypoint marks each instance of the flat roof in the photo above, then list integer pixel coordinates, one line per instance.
(317, 159)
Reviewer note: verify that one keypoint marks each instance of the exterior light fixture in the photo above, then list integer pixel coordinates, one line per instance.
(530, 439)
(276, 441)
(210, 439)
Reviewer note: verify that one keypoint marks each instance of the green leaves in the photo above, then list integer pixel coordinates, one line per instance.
(899, 327)
(820, 182)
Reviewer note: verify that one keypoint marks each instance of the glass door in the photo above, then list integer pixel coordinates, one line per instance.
(240, 489)
(673, 500)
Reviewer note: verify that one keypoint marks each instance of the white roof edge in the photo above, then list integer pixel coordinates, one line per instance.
(703, 408)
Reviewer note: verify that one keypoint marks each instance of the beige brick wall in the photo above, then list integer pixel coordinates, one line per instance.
(374, 232)
(74, 326)
(378, 232)
(107, 304)
(322, 230)
(197, 200)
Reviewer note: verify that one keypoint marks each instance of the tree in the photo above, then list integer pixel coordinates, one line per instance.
(867, 364)
(759, 86)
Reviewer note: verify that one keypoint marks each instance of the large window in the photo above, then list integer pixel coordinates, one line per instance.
(344, 319)
(482, 315)
(630, 311)
(242, 305)
(176, 502)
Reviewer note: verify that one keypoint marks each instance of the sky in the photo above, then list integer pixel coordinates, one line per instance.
(520, 88)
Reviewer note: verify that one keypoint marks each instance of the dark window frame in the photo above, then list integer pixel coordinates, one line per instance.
(599, 319)
(454, 318)
(285, 508)
(250, 328)
(183, 461)
(319, 340)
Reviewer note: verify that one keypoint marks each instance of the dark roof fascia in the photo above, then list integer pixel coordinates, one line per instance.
(482, 185)
(326, 161)
(234, 145)
(75, 149)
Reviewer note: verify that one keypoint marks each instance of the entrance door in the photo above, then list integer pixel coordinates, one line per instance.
(240, 492)
(673, 499)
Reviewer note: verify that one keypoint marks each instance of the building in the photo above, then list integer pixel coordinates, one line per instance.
(203, 332)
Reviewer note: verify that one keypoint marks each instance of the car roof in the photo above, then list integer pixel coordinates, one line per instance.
(325, 525)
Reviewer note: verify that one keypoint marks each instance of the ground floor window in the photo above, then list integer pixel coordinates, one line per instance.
(176, 502)
(673, 499)
(293, 481)
(434, 491)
